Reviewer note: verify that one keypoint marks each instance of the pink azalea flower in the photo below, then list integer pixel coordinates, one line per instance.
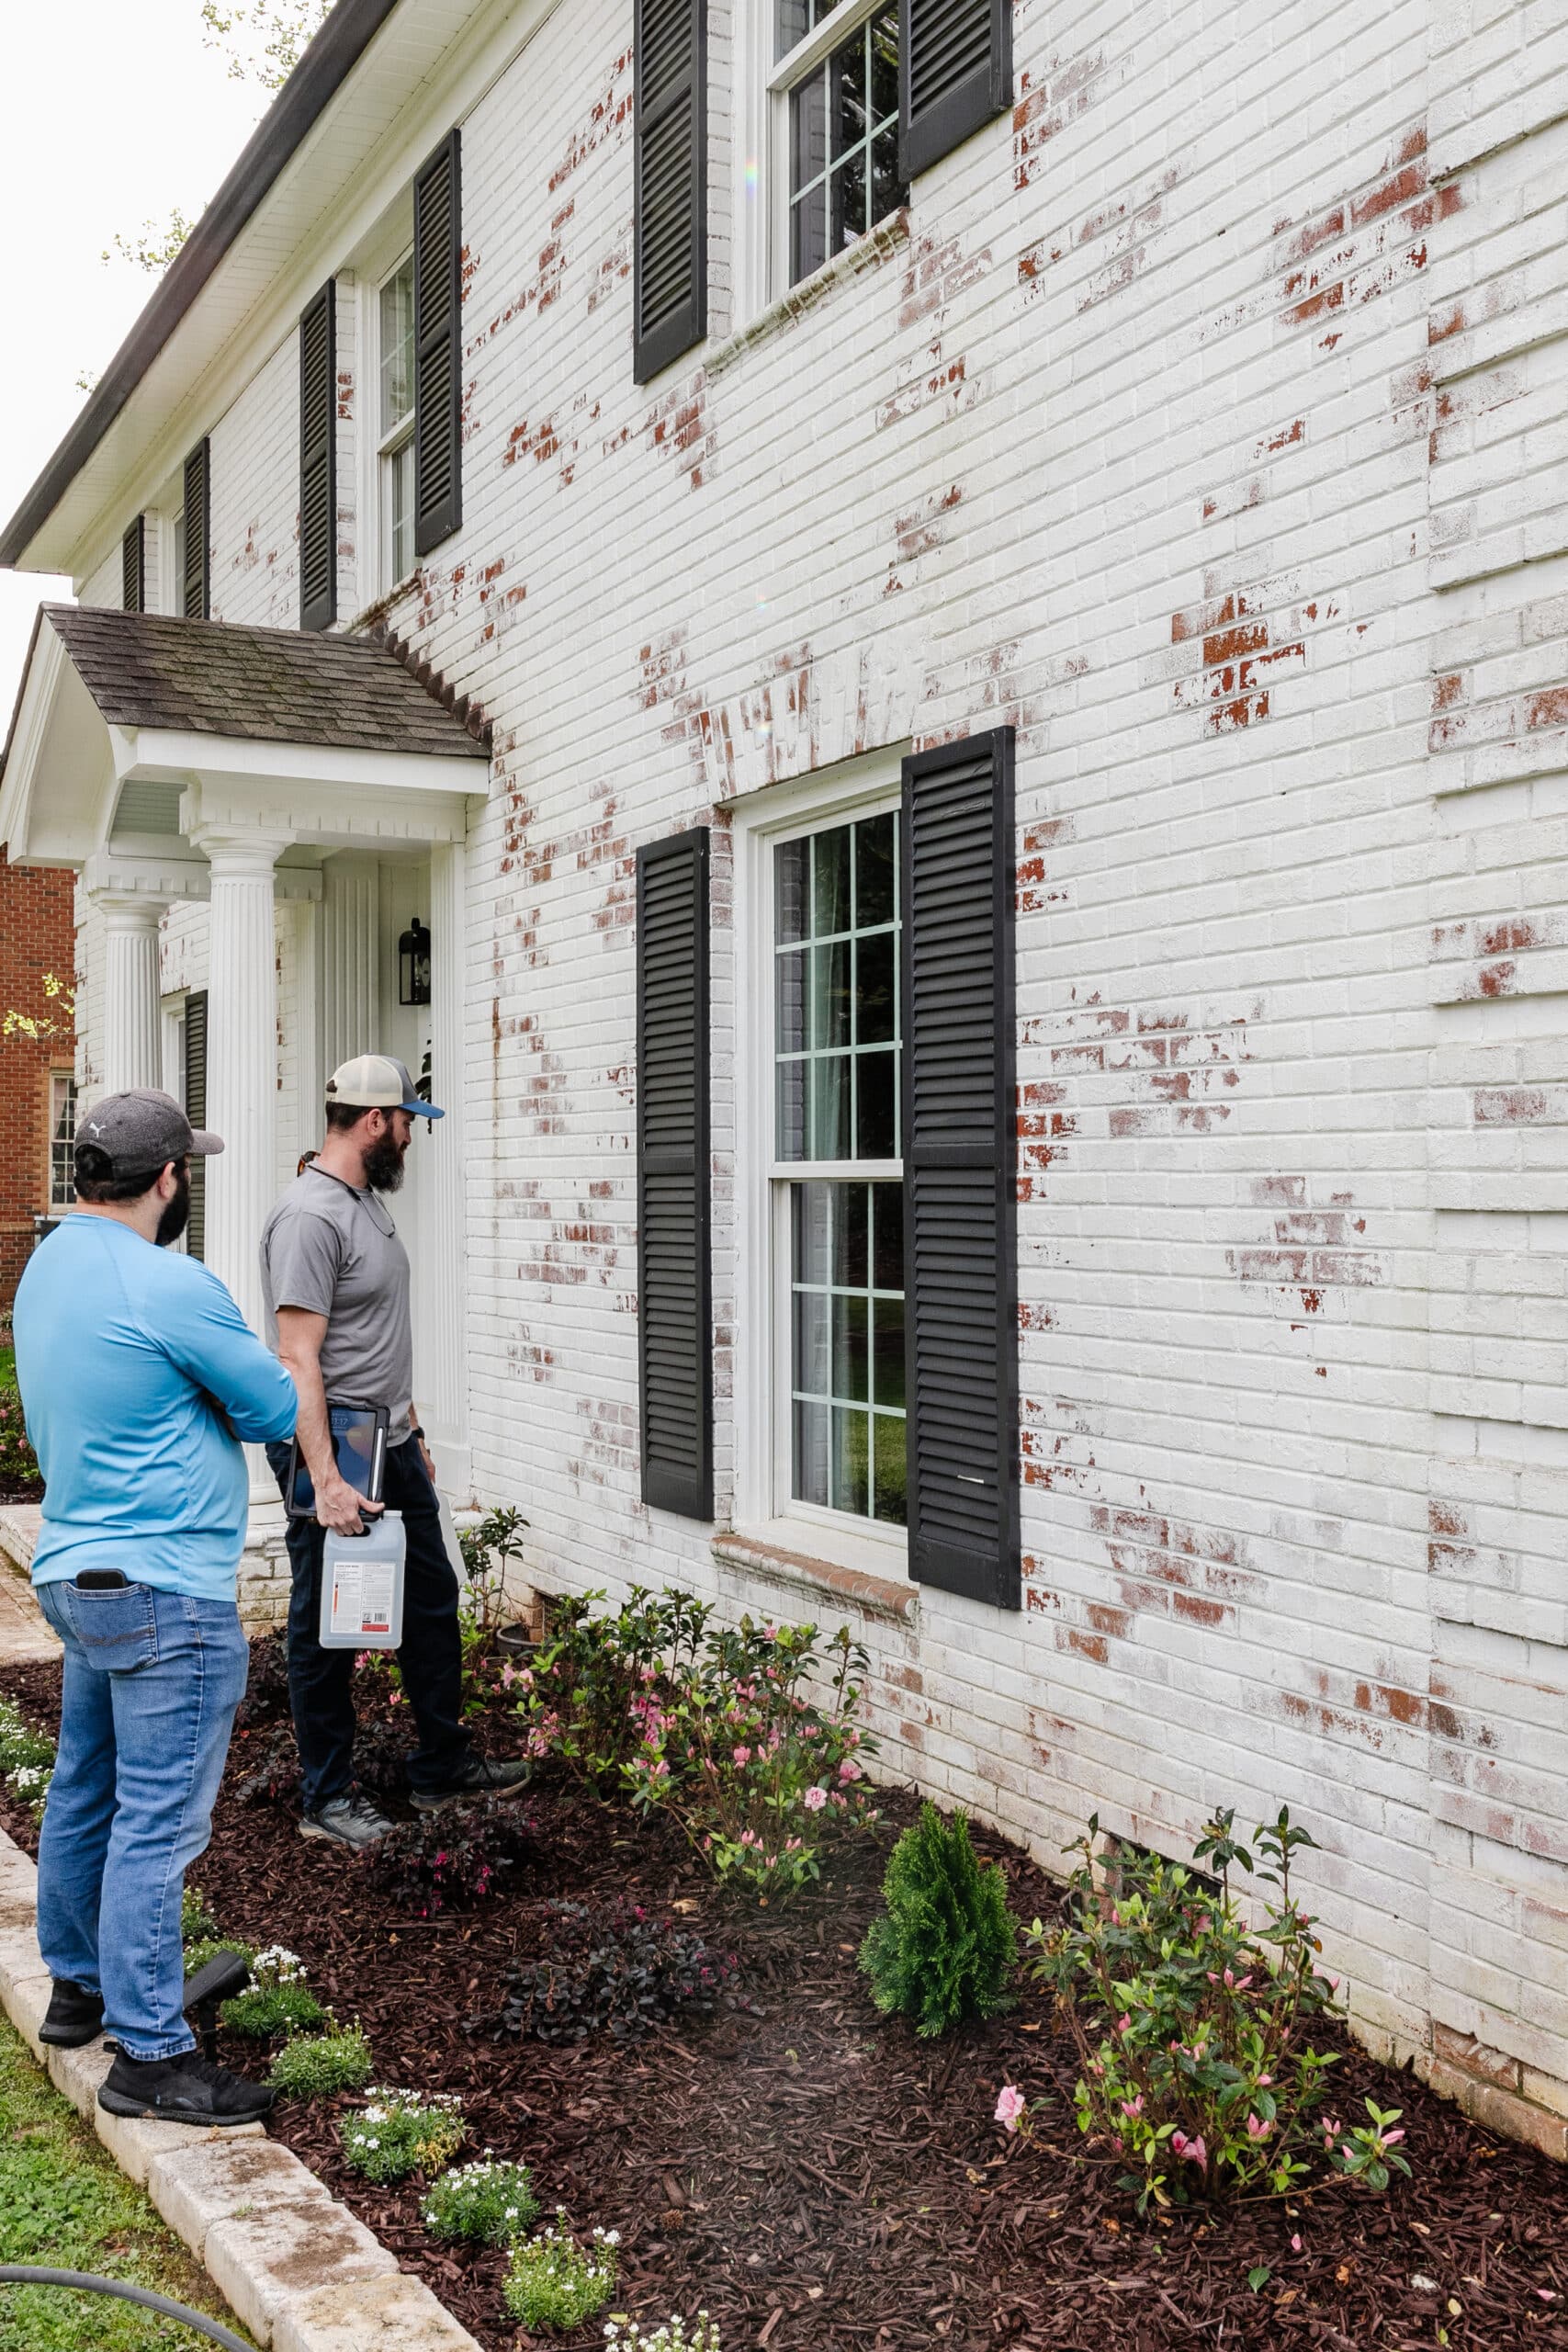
(1132, 2106)
(813, 1799)
(1296, 2244)
(849, 1769)
(1390, 2137)
(743, 1756)
(1123, 2023)
(1256, 2130)
(1010, 2107)
(1193, 2149)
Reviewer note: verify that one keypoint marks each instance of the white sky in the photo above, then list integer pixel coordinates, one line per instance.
(111, 113)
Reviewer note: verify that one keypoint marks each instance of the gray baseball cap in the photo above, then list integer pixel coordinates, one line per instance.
(144, 1129)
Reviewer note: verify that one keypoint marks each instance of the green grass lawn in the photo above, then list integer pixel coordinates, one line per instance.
(64, 2204)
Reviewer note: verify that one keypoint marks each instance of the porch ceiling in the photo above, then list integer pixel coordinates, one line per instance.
(327, 737)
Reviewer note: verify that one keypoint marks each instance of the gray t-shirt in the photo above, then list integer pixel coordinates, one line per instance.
(335, 1251)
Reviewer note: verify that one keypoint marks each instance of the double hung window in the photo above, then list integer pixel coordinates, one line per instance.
(396, 420)
(61, 1142)
(837, 1178)
(836, 74)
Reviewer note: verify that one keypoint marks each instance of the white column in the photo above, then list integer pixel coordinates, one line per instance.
(132, 1041)
(351, 946)
(241, 1059)
(442, 1376)
(310, 1077)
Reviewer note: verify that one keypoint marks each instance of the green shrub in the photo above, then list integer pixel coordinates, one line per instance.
(207, 1948)
(314, 2065)
(277, 1999)
(18, 1463)
(396, 2132)
(946, 1944)
(492, 2203)
(20, 1745)
(196, 1922)
(554, 2281)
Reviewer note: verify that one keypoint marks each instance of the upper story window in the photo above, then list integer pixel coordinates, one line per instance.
(395, 328)
(837, 73)
(61, 1142)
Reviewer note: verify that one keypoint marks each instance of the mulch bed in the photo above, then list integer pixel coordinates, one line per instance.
(819, 2178)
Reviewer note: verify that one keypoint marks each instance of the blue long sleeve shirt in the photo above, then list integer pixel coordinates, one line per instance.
(126, 1356)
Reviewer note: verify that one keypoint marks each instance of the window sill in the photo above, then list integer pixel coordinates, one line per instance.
(795, 1571)
(888, 237)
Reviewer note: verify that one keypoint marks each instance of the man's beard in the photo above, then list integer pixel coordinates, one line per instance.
(175, 1216)
(383, 1165)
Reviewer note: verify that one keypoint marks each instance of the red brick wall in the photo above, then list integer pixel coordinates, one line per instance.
(37, 935)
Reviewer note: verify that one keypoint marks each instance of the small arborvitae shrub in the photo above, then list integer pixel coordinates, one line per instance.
(196, 1922)
(270, 1773)
(314, 2065)
(619, 1971)
(267, 1685)
(449, 1861)
(21, 1747)
(277, 1999)
(490, 2203)
(555, 2280)
(205, 1948)
(946, 1944)
(669, 2335)
(400, 2132)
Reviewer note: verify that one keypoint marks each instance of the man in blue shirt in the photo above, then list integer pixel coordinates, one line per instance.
(139, 1379)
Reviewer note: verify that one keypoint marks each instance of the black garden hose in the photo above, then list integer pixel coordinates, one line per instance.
(23, 2274)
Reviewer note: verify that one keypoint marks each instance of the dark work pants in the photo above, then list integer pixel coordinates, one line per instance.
(320, 1682)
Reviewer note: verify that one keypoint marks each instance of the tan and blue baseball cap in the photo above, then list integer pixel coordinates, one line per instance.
(378, 1082)
(144, 1129)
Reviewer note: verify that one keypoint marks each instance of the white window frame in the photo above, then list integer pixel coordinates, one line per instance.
(378, 260)
(765, 1508)
(54, 1205)
(762, 207)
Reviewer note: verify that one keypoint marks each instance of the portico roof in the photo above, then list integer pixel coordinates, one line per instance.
(333, 734)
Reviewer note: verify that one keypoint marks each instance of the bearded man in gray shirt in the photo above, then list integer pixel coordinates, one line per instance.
(336, 1277)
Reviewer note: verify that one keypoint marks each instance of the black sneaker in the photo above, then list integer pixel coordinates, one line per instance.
(74, 2016)
(351, 1821)
(500, 1776)
(186, 2089)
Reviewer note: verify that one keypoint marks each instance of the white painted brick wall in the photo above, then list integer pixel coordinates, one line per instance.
(1196, 430)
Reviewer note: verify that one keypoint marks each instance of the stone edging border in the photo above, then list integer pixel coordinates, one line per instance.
(294, 2264)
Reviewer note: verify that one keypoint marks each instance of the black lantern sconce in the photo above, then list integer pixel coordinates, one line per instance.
(413, 965)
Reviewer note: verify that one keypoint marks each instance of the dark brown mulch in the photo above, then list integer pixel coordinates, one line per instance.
(21, 1490)
(819, 2178)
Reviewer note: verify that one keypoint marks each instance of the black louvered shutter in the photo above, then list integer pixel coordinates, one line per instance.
(955, 73)
(674, 1306)
(197, 528)
(960, 1131)
(438, 349)
(133, 566)
(195, 1112)
(671, 47)
(318, 461)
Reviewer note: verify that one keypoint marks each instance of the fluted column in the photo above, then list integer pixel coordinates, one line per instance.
(133, 1045)
(351, 944)
(241, 1059)
(444, 1372)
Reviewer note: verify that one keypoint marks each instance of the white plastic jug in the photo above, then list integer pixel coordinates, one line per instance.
(362, 1587)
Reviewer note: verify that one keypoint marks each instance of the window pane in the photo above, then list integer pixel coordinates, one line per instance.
(849, 96)
(792, 23)
(397, 348)
(889, 1366)
(850, 1366)
(810, 1483)
(889, 191)
(877, 1118)
(813, 1224)
(874, 989)
(830, 996)
(808, 130)
(791, 862)
(884, 32)
(830, 882)
(850, 1464)
(849, 200)
(888, 1264)
(790, 1141)
(874, 870)
(790, 994)
(889, 1497)
(811, 1328)
(849, 1235)
(400, 471)
(809, 232)
(830, 1108)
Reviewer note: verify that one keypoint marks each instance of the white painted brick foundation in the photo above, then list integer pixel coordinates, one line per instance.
(1206, 421)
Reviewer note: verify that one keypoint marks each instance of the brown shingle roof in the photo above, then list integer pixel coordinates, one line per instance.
(275, 685)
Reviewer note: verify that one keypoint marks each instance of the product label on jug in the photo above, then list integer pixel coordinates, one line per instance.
(362, 1598)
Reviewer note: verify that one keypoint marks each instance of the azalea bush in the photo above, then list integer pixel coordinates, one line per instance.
(946, 1946)
(465, 1855)
(489, 1548)
(584, 1699)
(276, 2000)
(399, 2132)
(619, 1970)
(1194, 2032)
(314, 2065)
(555, 2280)
(490, 2203)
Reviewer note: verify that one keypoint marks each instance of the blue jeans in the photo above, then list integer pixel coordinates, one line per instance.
(152, 1682)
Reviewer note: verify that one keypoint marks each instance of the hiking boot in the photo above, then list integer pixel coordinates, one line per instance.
(74, 2016)
(350, 1820)
(479, 1776)
(186, 2089)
